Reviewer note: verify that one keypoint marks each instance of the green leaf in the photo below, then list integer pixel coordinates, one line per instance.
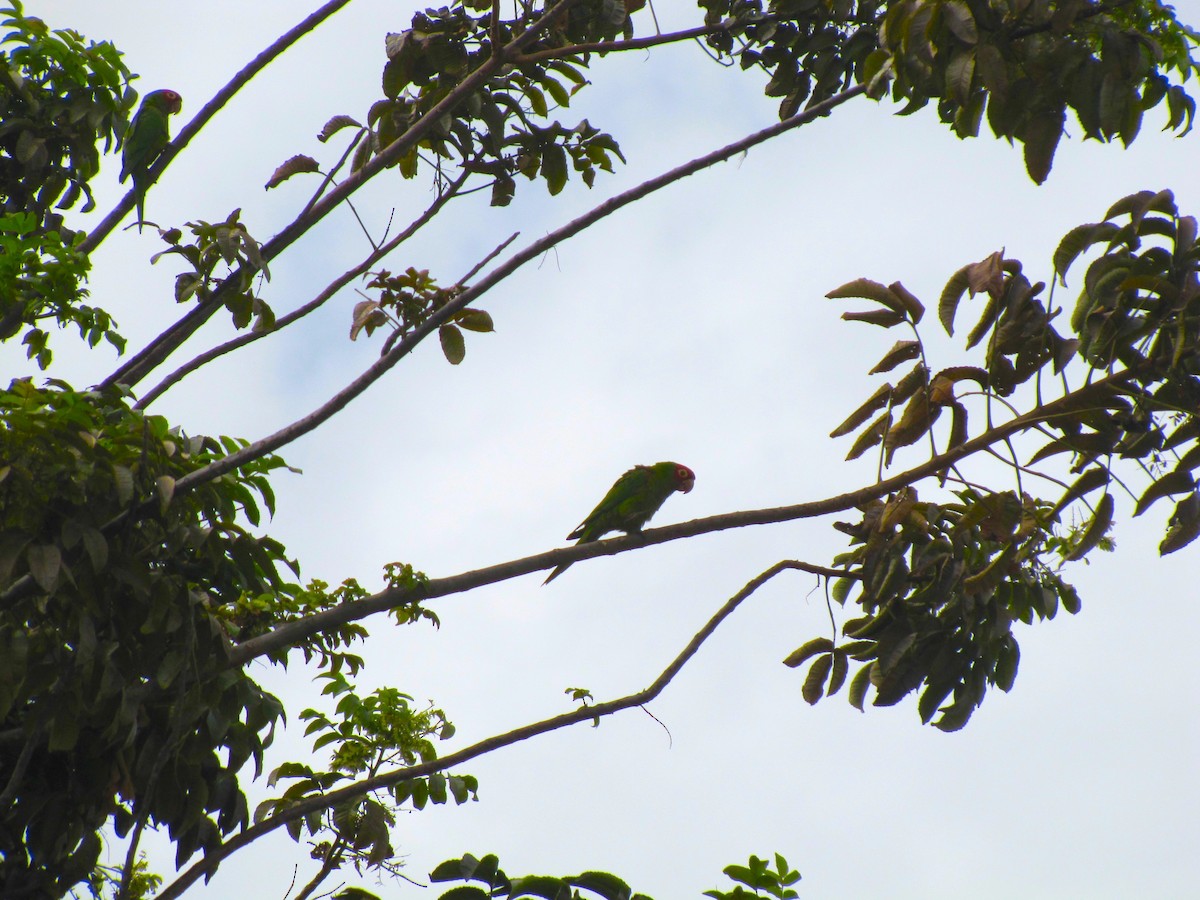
(355, 893)
(871, 436)
(297, 165)
(453, 345)
(45, 565)
(465, 892)
(1041, 138)
(165, 485)
(896, 297)
(475, 320)
(1184, 526)
(841, 589)
(554, 168)
(1172, 483)
(1008, 660)
(878, 400)
(933, 697)
(541, 886)
(1094, 477)
(437, 788)
(956, 16)
(64, 733)
(123, 480)
(560, 94)
(884, 318)
(1096, 529)
(1077, 241)
(807, 651)
(608, 886)
(951, 295)
(837, 675)
(814, 684)
(901, 351)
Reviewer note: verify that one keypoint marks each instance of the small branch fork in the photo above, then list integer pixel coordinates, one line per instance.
(207, 866)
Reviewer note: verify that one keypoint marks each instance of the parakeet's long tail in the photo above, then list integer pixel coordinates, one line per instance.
(558, 571)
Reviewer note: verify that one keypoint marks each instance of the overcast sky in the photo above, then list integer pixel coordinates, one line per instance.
(692, 327)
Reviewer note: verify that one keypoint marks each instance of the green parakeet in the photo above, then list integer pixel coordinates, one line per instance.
(631, 502)
(147, 137)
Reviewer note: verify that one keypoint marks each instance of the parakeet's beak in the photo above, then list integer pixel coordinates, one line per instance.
(687, 484)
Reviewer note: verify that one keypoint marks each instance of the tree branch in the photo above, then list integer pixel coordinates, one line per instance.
(376, 371)
(294, 633)
(136, 368)
(686, 34)
(213, 858)
(334, 286)
(189, 131)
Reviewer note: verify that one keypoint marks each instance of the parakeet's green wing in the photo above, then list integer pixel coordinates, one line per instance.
(634, 498)
(609, 511)
(149, 133)
(630, 502)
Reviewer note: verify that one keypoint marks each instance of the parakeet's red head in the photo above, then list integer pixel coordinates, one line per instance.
(685, 478)
(167, 100)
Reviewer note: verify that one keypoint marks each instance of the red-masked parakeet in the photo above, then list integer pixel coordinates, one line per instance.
(631, 502)
(147, 137)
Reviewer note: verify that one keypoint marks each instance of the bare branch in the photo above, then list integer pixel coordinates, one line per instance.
(212, 859)
(293, 633)
(189, 131)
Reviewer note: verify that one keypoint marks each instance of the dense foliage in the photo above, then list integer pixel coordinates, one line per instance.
(135, 582)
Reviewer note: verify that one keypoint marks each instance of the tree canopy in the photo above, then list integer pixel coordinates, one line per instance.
(142, 587)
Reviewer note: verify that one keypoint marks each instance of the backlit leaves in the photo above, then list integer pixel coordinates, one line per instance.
(298, 164)
(404, 302)
(505, 128)
(938, 587)
(127, 589)
(1025, 66)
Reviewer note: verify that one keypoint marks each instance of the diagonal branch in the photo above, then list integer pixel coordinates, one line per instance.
(295, 632)
(213, 857)
(376, 371)
(223, 96)
(140, 365)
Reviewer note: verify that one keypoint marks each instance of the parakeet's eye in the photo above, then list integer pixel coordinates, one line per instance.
(686, 478)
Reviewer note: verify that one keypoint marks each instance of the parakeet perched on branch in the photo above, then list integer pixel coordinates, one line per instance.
(631, 502)
(147, 137)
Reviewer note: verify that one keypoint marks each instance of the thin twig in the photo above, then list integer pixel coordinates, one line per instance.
(300, 312)
(328, 179)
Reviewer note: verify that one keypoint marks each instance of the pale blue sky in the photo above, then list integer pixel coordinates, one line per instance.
(692, 327)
